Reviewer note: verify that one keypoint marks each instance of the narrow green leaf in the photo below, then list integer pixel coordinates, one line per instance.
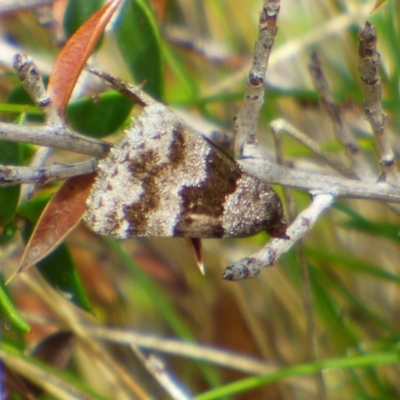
(362, 361)
(99, 118)
(58, 268)
(359, 223)
(353, 264)
(138, 39)
(9, 313)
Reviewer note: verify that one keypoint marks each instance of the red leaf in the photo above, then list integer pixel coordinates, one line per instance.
(74, 55)
(62, 213)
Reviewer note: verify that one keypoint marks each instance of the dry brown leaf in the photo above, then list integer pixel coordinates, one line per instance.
(62, 213)
(74, 55)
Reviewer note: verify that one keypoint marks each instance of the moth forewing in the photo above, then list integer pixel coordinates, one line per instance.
(165, 179)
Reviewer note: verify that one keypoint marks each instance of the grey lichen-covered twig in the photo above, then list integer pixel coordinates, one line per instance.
(10, 175)
(372, 85)
(247, 117)
(250, 267)
(359, 167)
(58, 137)
(311, 181)
(31, 80)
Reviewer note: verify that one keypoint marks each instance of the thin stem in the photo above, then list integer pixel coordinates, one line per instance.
(247, 118)
(283, 126)
(40, 175)
(251, 266)
(54, 136)
(352, 150)
(309, 181)
(157, 369)
(32, 82)
(372, 84)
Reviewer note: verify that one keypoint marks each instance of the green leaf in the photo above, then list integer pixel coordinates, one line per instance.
(10, 313)
(58, 268)
(139, 42)
(336, 364)
(32, 209)
(8, 232)
(8, 202)
(10, 154)
(359, 223)
(19, 96)
(78, 12)
(99, 118)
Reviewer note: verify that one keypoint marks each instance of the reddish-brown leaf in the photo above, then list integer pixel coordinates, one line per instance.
(159, 7)
(377, 5)
(74, 55)
(62, 213)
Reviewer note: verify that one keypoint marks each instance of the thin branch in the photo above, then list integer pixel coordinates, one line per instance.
(247, 117)
(31, 79)
(309, 181)
(40, 175)
(32, 82)
(279, 157)
(208, 354)
(251, 266)
(282, 126)
(328, 104)
(38, 161)
(368, 68)
(54, 136)
(130, 91)
(157, 369)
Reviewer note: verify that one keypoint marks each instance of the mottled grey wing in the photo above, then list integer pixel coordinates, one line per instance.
(163, 179)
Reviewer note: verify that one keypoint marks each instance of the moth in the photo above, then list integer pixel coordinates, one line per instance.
(165, 179)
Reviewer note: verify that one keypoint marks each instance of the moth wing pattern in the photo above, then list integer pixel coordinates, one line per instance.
(165, 179)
